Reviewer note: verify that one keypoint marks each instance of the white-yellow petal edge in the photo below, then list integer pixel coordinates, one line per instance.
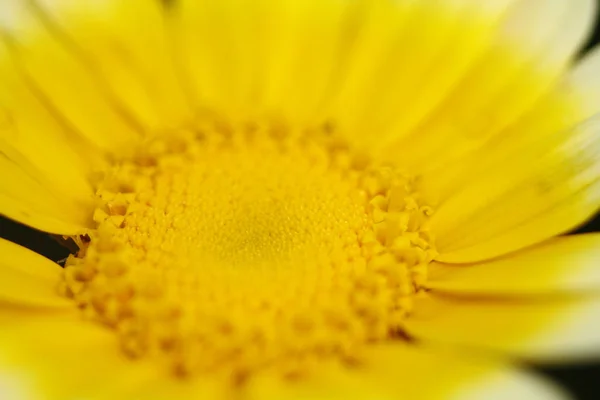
(549, 329)
(525, 192)
(404, 371)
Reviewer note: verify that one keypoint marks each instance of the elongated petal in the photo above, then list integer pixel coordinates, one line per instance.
(405, 372)
(393, 78)
(128, 45)
(27, 278)
(563, 264)
(530, 193)
(68, 81)
(533, 46)
(45, 161)
(34, 138)
(54, 357)
(536, 179)
(24, 199)
(242, 57)
(554, 329)
(351, 67)
(57, 358)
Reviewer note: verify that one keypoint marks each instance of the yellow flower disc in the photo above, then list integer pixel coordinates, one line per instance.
(226, 249)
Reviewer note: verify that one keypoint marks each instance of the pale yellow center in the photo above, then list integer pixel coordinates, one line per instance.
(226, 249)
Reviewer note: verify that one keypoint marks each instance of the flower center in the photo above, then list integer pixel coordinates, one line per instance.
(226, 249)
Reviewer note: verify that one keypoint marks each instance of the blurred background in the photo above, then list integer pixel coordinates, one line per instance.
(582, 380)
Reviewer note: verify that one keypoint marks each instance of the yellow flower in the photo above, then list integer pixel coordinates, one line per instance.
(303, 199)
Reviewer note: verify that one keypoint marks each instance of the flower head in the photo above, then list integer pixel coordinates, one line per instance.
(297, 198)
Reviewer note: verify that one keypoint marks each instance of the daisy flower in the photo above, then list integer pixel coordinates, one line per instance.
(298, 199)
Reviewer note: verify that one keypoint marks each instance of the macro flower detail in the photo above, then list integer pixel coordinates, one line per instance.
(298, 198)
(197, 232)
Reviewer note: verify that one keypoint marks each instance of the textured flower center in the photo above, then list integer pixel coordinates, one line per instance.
(226, 249)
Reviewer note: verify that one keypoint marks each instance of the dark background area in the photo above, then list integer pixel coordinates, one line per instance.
(583, 380)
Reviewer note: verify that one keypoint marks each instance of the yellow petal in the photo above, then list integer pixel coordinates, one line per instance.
(573, 100)
(27, 278)
(32, 137)
(525, 192)
(393, 77)
(403, 371)
(556, 329)
(44, 167)
(561, 264)
(130, 48)
(533, 46)
(170, 387)
(56, 357)
(69, 83)
(350, 67)
(25, 199)
(536, 179)
(244, 57)
(62, 358)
